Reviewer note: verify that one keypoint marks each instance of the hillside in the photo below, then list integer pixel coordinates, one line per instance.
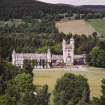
(94, 8)
(75, 27)
(37, 9)
(99, 25)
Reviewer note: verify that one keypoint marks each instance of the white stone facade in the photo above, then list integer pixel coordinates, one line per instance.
(68, 51)
(68, 56)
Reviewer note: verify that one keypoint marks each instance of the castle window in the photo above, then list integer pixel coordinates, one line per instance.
(68, 54)
(68, 50)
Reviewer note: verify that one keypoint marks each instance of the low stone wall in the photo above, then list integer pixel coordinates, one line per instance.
(73, 68)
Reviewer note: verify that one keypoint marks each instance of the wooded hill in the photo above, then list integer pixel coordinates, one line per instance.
(94, 8)
(36, 9)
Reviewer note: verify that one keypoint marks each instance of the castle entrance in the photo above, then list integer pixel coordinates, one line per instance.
(68, 63)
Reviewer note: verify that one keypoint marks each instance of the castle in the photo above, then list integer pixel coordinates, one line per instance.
(48, 60)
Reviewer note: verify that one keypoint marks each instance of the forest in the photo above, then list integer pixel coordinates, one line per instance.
(10, 9)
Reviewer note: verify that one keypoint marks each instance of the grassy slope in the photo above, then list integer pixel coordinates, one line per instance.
(75, 27)
(99, 25)
(94, 77)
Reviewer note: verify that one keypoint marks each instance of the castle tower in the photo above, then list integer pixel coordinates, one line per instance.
(21, 60)
(13, 57)
(48, 58)
(68, 51)
(64, 54)
(72, 50)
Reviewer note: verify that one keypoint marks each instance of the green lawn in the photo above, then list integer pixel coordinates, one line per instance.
(94, 76)
(99, 25)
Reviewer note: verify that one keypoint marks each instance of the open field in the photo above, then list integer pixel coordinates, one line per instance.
(75, 27)
(94, 76)
(99, 25)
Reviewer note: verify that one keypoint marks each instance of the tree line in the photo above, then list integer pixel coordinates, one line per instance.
(96, 57)
(35, 36)
(10, 9)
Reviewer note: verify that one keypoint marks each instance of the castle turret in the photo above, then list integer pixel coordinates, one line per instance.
(48, 55)
(64, 43)
(72, 49)
(13, 57)
(68, 51)
(48, 58)
(63, 48)
(72, 42)
(21, 60)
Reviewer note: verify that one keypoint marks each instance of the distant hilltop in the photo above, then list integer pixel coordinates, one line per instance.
(37, 9)
(94, 8)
